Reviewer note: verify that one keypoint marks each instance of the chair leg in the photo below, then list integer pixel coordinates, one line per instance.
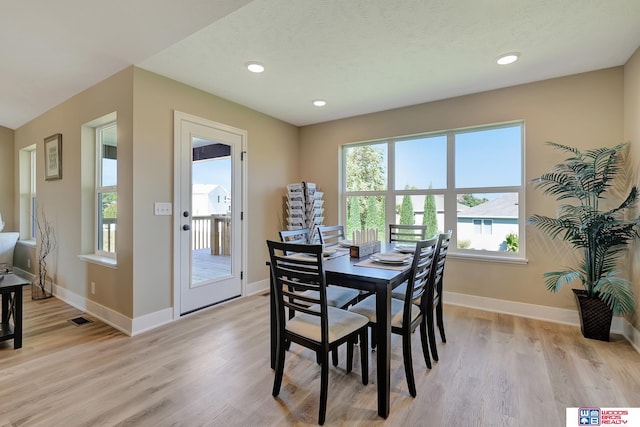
(425, 344)
(350, 355)
(324, 385)
(432, 334)
(440, 321)
(277, 381)
(408, 363)
(374, 339)
(364, 357)
(334, 356)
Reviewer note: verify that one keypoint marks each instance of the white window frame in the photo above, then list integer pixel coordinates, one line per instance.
(450, 193)
(33, 206)
(99, 189)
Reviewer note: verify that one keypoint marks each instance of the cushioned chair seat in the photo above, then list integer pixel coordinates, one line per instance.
(367, 307)
(341, 323)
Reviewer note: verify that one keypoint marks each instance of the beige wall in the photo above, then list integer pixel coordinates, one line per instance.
(61, 198)
(584, 110)
(7, 178)
(272, 148)
(632, 133)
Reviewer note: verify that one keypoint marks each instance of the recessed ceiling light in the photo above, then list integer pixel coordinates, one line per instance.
(255, 67)
(319, 102)
(508, 58)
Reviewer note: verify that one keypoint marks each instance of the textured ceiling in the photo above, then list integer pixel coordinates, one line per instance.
(360, 56)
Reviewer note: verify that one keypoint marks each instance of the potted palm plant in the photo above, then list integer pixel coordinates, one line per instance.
(600, 235)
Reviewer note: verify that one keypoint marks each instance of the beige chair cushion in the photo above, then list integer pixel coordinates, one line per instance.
(341, 323)
(367, 307)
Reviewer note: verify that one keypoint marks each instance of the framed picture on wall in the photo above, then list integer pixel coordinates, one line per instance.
(53, 157)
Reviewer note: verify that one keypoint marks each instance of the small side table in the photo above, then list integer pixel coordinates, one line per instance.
(11, 290)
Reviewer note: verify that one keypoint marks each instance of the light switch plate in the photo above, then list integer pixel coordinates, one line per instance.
(162, 208)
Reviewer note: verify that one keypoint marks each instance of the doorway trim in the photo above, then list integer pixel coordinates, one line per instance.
(178, 118)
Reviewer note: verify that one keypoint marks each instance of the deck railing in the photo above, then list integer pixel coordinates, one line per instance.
(109, 234)
(211, 231)
(201, 232)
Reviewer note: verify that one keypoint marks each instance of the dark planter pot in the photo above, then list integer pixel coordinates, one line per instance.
(595, 316)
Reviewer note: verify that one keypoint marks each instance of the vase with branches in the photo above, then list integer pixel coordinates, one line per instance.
(42, 286)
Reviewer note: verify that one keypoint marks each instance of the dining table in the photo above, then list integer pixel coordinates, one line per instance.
(361, 273)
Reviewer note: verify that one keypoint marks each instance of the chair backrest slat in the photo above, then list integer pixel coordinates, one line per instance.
(407, 233)
(295, 236)
(330, 235)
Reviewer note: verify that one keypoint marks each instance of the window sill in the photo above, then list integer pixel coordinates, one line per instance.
(100, 260)
(488, 258)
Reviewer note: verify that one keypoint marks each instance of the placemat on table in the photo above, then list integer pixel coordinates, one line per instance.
(373, 264)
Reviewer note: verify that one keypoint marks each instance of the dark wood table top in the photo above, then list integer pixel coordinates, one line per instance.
(10, 280)
(345, 267)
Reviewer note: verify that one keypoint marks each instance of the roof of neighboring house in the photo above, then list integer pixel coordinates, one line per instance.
(502, 207)
(419, 199)
(208, 188)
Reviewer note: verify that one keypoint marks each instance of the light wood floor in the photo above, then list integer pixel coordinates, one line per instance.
(212, 369)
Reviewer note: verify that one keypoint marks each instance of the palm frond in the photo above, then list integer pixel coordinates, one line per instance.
(555, 280)
(551, 226)
(616, 292)
(567, 148)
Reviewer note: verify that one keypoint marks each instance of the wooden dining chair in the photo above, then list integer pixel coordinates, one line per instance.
(436, 301)
(316, 325)
(337, 296)
(407, 314)
(402, 233)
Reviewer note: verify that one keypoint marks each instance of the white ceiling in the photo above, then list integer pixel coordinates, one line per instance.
(360, 56)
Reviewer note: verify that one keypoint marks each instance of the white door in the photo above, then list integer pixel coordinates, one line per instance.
(208, 213)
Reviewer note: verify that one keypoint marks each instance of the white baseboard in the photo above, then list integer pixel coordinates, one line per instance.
(150, 321)
(105, 314)
(619, 325)
(256, 287)
(139, 324)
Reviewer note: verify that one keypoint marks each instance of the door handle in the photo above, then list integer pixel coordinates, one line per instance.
(186, 227)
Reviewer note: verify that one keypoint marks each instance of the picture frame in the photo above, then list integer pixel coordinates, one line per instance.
(53, 157)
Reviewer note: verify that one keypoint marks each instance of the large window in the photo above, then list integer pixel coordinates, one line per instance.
(466, 180)
(106, 189)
